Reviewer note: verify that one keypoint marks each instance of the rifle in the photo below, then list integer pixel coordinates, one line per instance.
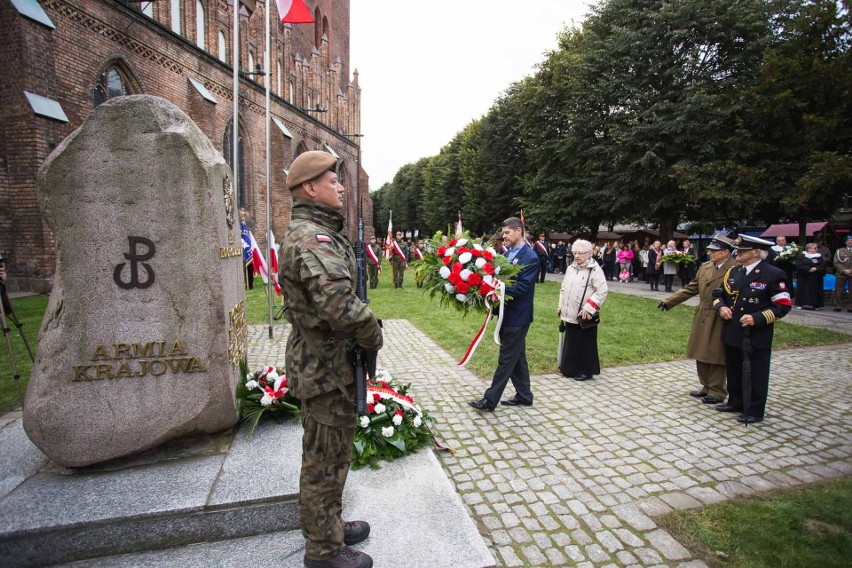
(365, 361)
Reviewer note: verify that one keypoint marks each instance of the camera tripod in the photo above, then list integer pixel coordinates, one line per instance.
(9, 311)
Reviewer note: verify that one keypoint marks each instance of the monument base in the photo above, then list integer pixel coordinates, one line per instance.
(227, 497)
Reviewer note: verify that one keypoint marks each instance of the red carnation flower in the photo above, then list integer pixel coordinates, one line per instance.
(398, 413)
(476, 253)
(488, 255)
(488, 268)
(447, 260)
(452, 243)
(441, 250)
(460, 250)
(475, 279)
(371, 408)
(454, 278)
(457, 267)
(385, 384)
(376, 397)
(462, 288)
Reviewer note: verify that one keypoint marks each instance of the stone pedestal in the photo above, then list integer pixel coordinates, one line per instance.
(146, 323)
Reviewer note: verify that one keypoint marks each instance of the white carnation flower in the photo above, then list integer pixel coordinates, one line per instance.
(461, 297)
(488, 279)
(465, 274)
(449, 288)
(387, 432)
(465, 257)
(397, 419)
(266, 400)
(450, 251)
(461, 242)
(444, 272)
(379, 408)
(365, 421)
(478, 247)
(249, 376)
(492, 251)
(251, 385)
(480, 262)
(496, 270)
(417, 421)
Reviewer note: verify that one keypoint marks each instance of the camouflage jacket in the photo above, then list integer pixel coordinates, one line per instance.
(317, 271)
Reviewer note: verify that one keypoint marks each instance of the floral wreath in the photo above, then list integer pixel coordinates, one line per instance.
(463, 273)
(264, 393)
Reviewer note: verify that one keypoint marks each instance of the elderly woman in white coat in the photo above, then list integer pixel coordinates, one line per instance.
(582, 294)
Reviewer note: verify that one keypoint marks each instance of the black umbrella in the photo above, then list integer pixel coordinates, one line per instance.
(747, 351)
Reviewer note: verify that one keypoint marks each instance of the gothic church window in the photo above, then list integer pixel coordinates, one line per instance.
(110, 84)
(200, 26)
(175, 15)
(223, 47)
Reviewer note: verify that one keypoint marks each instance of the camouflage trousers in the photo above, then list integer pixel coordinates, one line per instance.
(373, 273)
(329, 431)
(398, 273)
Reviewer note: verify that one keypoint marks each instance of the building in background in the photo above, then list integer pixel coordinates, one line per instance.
(62, 58)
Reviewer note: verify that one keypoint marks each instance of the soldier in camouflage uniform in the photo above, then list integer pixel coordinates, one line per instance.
(317, 272)
(374, 269)
(398, 260)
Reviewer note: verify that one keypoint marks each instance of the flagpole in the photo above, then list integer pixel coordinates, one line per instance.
(235, 54)
(267, 76)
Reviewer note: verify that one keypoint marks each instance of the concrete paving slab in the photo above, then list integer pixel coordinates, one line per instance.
(19, 458)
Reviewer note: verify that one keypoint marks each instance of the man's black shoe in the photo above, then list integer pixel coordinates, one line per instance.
(515, 401)
(482, 404)
(749, 419)
(727, 408)
(710, 400)
(346, 558)
(581, 378)
(355, 532)
(697, 394)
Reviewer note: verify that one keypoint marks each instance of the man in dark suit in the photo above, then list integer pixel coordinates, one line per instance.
(753, 296)
(517, 317)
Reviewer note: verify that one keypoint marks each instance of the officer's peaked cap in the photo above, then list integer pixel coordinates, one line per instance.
(748, 242)
(721, 242)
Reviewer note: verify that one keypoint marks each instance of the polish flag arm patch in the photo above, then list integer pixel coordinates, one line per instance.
(323, 238)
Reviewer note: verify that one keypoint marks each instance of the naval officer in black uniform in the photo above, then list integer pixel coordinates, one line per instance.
(753, 295)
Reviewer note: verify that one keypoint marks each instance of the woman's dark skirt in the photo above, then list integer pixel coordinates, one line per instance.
(580, 352)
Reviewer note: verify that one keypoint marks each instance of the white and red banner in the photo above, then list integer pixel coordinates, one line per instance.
(294, 12)
(459, 229)
(397, 250)
(389, 239)
(373, 258)
(260, 264)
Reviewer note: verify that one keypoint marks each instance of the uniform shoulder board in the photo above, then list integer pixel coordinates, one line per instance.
(323, 238)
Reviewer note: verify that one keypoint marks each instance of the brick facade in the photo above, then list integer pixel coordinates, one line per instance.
(94, 36)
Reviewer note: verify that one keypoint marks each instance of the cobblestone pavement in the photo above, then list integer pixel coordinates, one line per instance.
(578, 478)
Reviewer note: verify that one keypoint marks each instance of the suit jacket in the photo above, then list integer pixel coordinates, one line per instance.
(705, 340)
(519, 310)
(763, 294)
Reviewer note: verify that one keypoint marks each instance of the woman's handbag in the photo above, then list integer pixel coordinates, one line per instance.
(595, 319)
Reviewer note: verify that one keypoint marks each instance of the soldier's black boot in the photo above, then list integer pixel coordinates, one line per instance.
(346, 558)
(355, 532)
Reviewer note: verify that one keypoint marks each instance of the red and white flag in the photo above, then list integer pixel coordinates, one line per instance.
(294, 12)
(273, 262)
(389, 239)
(418, 253)
(260, 264)
(459, 230)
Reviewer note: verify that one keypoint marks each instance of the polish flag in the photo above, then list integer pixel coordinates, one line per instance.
(273, 261)
(389, 239)
(260, 264)
(294, 12)
(459, 230)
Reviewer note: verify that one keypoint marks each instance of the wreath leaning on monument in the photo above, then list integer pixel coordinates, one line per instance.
(394, 425)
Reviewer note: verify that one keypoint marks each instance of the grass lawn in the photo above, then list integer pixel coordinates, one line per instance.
(800, 528)
(632, 331)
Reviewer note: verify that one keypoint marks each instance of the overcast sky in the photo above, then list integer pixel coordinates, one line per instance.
(427, 69)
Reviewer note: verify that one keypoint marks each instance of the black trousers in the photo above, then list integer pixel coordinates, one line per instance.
(512, 364)
(654, 280)
(759, 379)
(542, 269)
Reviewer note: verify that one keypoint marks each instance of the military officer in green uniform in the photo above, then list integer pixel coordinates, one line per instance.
(705, 340)
(318, 274)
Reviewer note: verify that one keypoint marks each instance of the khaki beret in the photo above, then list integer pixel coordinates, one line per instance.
(308, 166)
